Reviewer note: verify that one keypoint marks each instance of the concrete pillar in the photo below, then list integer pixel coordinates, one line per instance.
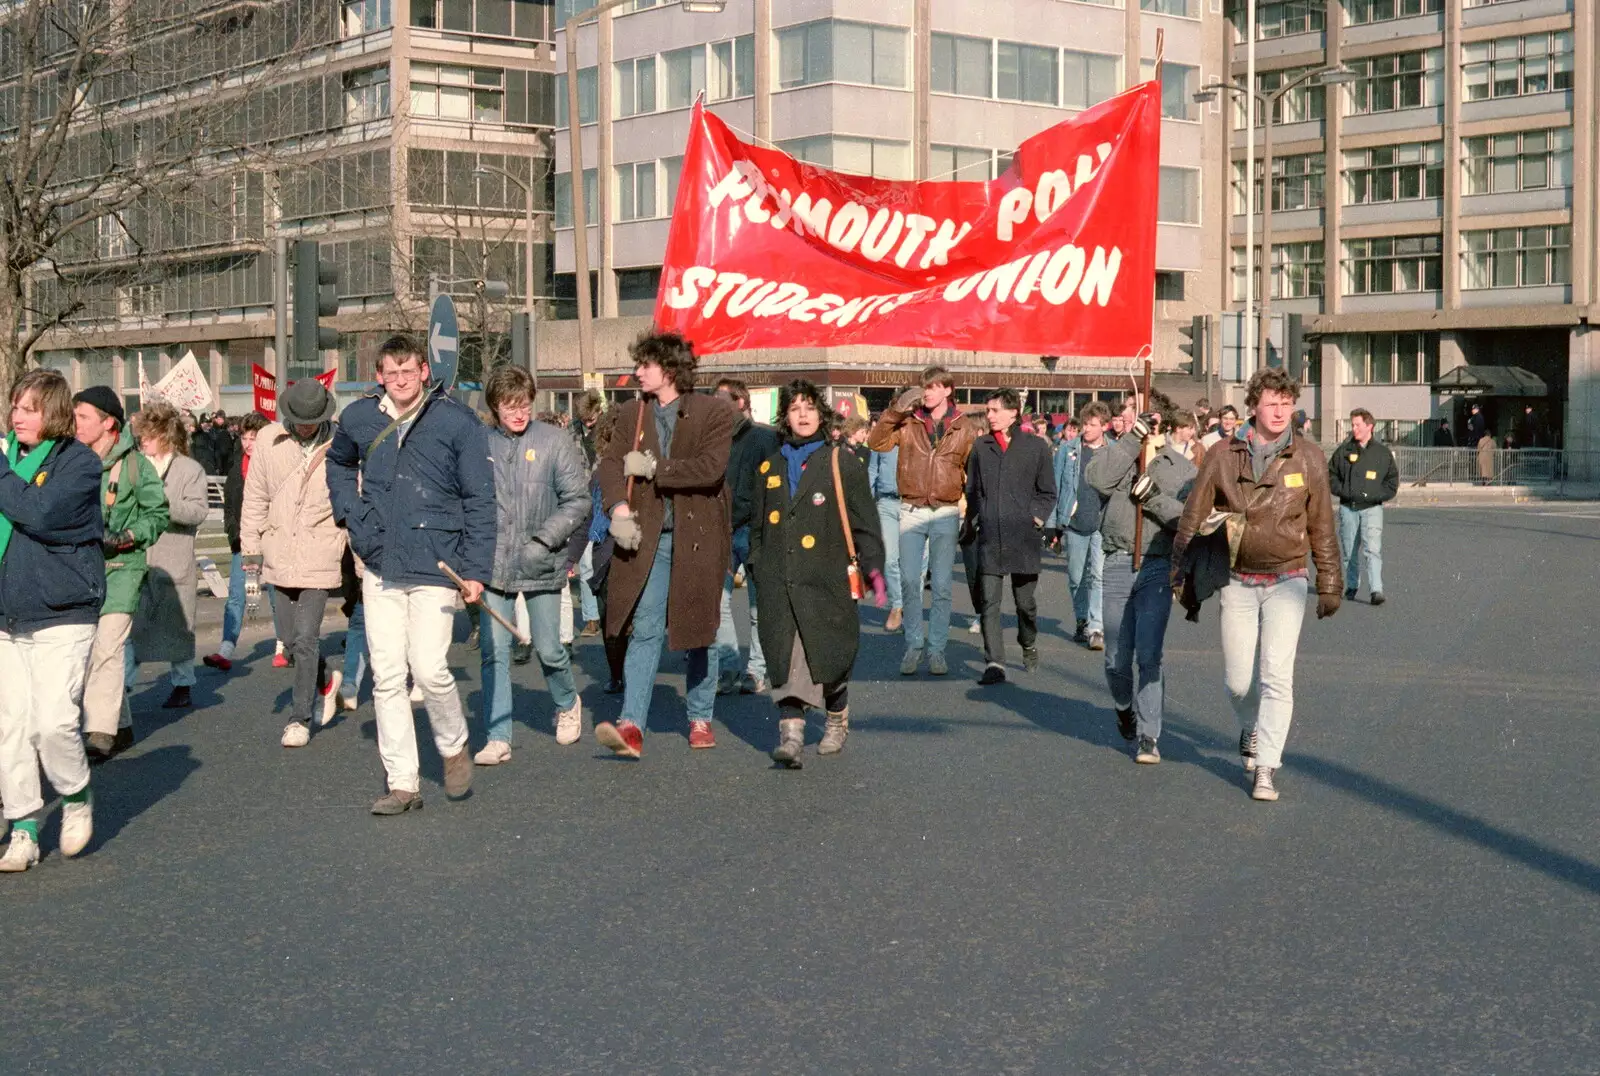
(1582, 436)
(1330, 400)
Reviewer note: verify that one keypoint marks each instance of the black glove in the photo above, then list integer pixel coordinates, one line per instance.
(1327, 605)
(115, 544)
(1144, 487)
(1146, 424)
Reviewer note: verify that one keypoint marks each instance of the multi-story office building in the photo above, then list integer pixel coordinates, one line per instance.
(402, 137)
(1435, 211)
(895, 88)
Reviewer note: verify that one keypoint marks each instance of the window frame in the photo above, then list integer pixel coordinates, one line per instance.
(817, 70)
(1429, 173)
(1365, 263)
(1493, 255)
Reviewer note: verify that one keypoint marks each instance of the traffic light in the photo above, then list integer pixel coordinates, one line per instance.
(523, 354)
(1196, 339)
(1294, 344)
(316, 296)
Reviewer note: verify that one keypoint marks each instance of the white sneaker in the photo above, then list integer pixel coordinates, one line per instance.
(1264, 789)
(330, 696)
(494, 752)
(295, 734)
(416, 694)
(348, 702)
(976, 627)
(21, 853)
(77, 826)
(569, 724)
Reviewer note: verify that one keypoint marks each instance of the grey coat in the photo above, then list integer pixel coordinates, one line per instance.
(541, 495)
(163, 626)
(1112, 471)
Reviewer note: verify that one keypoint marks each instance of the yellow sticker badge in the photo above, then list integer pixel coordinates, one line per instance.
(774, 481)
(1354, 457)
(766, 465)
(774, 517)
(1372, 476)
(807, 542)
(1294, 481)
(38, 479)
(530, 455)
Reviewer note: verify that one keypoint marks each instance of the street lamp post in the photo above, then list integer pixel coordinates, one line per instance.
(527, 191)
(580, 222)
(1334, 74)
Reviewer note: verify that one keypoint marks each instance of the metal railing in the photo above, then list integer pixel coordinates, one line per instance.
(1544, 467)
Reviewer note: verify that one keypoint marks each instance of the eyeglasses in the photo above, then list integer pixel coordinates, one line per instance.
(515, 409)
(401, 375)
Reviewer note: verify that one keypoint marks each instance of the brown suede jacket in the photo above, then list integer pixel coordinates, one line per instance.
(1288, 513)
(929, 476)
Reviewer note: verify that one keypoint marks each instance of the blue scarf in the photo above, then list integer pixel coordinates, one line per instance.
(796, 456)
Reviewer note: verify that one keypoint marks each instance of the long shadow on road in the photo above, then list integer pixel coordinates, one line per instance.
(135, 782)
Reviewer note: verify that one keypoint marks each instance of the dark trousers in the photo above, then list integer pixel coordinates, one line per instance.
(299, 612)
(1022, 594)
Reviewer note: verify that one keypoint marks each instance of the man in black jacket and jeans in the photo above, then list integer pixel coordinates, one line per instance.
(752, 443)
(1011, 491)
(1362, 475)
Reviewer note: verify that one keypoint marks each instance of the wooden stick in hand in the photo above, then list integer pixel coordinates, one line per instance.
(502, 621)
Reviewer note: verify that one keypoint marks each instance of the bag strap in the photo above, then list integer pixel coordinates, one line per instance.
(844, 517)
(116, 475)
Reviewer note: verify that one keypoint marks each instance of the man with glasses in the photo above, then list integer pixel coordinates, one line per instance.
(410, 479)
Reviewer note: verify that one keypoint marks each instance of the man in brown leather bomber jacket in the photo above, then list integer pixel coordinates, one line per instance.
(1276, 483)
(934, 441)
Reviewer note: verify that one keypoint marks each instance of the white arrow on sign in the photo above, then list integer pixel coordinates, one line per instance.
(440, 342)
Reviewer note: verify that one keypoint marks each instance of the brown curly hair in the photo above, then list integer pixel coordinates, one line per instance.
(163, 422)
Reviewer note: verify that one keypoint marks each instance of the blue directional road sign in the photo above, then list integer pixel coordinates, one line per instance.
(444, 342)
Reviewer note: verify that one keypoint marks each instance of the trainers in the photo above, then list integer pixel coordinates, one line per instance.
(397, 802)
(1146, 753)
(77, 826)
(700, 736)
(217, 661)
(569, 724)
(754, 685)
(348, 702)
(494, 752)
(1097, 641)
(976, 627)
(591, 628)
(521, 653)
(330, 696)
(1030, 659)
(458, 774)
(99, 746)
(615, 687)
(896, 622)
(1264, 789)
(909, 663)
(1080, 634)
(1377, 597)
(178, 700)
(281, 660)
(21, 853)
(416, 694)
(1127, 724)
(728, 683)
(1247, 749)
(992, 674)
(625, 739)
(295, 734)
(1350, 595)
(937, 666)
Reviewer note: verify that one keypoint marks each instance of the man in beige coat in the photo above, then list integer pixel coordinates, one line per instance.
(287, 534)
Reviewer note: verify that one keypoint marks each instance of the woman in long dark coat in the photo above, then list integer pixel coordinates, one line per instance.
(809, 624)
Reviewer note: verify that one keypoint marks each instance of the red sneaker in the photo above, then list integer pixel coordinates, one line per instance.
(700, 735)
(280, 661)
(625, 739)
(217, 661)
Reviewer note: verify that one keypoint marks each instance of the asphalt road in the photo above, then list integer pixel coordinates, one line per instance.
(983, 882)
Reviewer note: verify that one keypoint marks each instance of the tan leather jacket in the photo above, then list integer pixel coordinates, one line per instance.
(1288, 514)
(929, 476)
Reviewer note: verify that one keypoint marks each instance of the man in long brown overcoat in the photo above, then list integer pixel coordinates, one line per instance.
(672, 535)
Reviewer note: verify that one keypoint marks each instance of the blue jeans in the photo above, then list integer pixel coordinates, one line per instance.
(1137, 608)
(727, 649)
(355, 652)
(590, 605)
(1085, 567)
(643, 661)
(494, 643)
(930, 530)
(889, 523)
(233, 611)
(1362, 531)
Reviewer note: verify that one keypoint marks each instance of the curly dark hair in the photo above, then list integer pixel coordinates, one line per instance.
(1272, 379)
(671, 352)
(801, 389)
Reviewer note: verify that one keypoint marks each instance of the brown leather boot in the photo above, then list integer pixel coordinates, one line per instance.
(833, 735)
(791, 742)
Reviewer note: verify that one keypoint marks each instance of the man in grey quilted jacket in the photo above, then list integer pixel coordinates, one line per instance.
(541, 494)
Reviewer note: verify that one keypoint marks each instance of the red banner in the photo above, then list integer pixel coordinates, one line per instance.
(327, 378)
(266, 390)
(1056, 257)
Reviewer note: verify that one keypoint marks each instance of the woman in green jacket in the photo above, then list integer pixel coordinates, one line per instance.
(134, 507)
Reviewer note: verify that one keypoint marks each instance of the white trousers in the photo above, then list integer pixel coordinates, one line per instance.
(43, 673)
(1260, 637)
(410, 627)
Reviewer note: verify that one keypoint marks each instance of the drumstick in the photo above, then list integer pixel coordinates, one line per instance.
(502, 621)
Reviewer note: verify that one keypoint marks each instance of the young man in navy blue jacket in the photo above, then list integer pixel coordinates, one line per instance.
(410, 479)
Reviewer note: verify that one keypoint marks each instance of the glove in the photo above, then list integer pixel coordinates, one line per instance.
(880, 589)
(1143, 488)
(626, 532)
(909, 400)
(113, 544)
(1327, 605)
(639, 465)
(1144, 425)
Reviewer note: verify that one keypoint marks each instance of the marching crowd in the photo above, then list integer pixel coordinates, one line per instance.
(406, 506)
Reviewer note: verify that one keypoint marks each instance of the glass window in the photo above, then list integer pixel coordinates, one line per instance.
(673, 167)
(1360, 12)
(1394, 173)
(588, 97)
(964, 163)
(1189, 9)
(636, 191)
(1179, 197)
(364, 17)
(1399, 81)
(636, 86)
(1297, 182)
(591, 197)
(1089, 78)
(1516, 66)
(685, 75)
(1296, 271)
(366, 95)
(733, 69)
(1025, 73)
(1386, 265)
(1531, 160)
(844, 51)
(1516, 257)
(863, 156)
(1282, 19)
(962, 65)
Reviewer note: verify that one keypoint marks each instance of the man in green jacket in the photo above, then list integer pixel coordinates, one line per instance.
(134, 506)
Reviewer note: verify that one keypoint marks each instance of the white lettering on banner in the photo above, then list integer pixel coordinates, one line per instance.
(1049, 195)
(1056, 276)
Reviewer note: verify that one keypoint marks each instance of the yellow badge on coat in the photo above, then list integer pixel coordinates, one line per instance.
(774, 481)
(1372, 476)
(1294, 481)
(766, 465)
(1354, 457)
(38, 479)
(807, 542)
(774, 517)
(530, 455)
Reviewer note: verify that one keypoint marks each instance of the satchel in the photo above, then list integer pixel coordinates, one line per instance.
(853, 569)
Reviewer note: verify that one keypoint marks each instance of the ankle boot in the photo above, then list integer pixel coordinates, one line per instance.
(791, 741)
(833, 735)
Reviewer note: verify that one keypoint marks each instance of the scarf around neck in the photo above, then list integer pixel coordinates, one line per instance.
(27, 468)
(796, 453)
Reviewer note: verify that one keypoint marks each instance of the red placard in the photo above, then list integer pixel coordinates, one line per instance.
(327, 378)
(1055, 257)
(265, 385)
